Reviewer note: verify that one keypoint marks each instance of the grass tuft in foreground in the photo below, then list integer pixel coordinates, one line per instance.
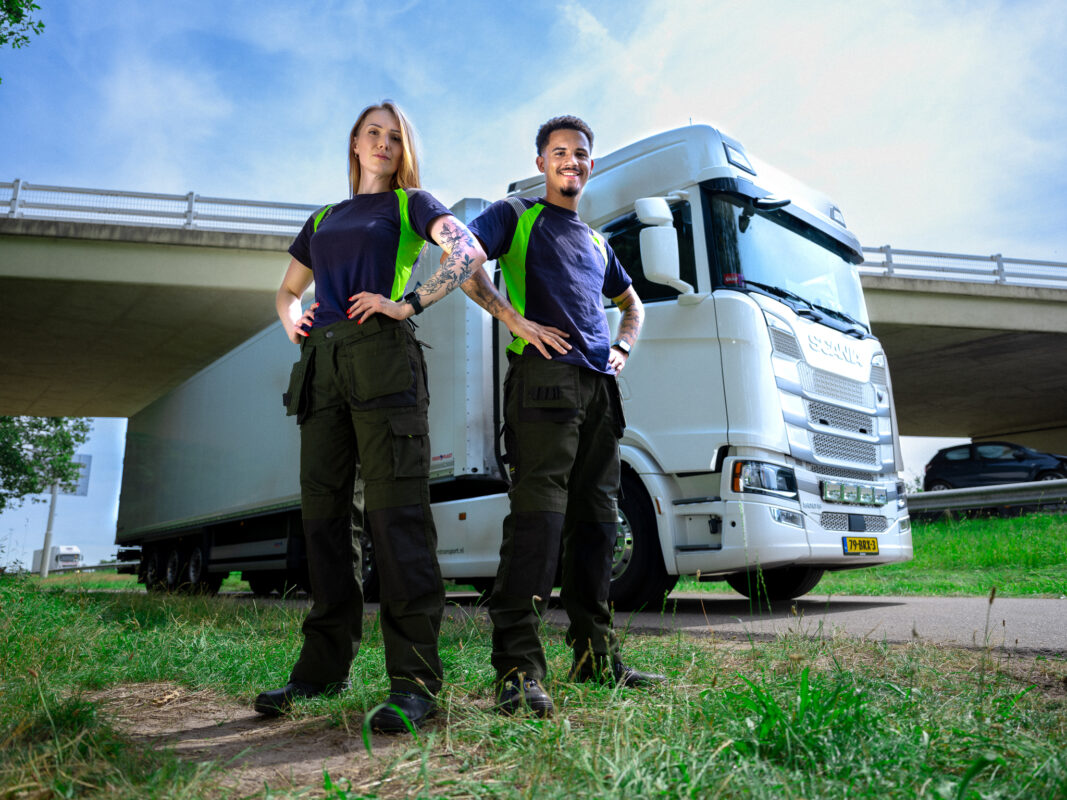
(801, 716)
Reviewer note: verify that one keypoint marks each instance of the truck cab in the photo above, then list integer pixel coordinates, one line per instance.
(761, 444)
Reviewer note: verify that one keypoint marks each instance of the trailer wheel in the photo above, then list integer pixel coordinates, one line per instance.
(782, 583)
(152, 570)
(196, 574)
(174, 572)
(372, 589)
(638, 577)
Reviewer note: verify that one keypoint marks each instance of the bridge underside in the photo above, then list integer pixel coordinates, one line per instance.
(114, 316)
(975, 360)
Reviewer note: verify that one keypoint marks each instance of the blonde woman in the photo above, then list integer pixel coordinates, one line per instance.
(359, 395)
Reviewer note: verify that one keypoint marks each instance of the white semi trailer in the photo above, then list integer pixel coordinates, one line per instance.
(760, 448)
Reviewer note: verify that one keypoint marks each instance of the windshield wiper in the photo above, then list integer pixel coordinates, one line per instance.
(777, 291)
(844, 317)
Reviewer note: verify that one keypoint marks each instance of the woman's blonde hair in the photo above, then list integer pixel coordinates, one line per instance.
(407, 172)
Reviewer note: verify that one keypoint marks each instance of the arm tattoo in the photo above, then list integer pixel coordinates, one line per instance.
(633, 314)
(481, 290)
(459, 265)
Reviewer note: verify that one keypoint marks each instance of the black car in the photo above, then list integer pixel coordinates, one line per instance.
(989, 463)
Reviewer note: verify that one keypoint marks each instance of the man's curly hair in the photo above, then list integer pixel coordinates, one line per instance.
(562, 123)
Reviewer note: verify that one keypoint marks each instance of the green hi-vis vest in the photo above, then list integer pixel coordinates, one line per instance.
(408, 249)
(513, 262)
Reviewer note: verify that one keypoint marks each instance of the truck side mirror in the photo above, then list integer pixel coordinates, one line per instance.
(659, 243)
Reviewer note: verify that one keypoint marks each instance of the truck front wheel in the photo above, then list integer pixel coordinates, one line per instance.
(782, 583)
(638, 577)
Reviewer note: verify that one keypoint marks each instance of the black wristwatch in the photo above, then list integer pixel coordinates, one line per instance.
(413, 299)
(624, 346)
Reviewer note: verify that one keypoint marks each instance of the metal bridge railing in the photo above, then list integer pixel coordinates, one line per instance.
(1046, 495)
(928, 265)
(190, 211)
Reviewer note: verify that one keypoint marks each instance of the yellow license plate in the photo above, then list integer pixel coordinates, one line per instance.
(860, 545)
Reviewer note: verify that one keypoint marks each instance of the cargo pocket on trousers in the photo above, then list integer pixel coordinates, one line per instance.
(618, 417)
(555, 401)
(411, 445)
(378, 371)
(296, 398)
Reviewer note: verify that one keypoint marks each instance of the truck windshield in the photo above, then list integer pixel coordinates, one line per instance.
(779, 255)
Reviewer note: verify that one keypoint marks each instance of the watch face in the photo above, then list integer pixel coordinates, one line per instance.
(624, 346)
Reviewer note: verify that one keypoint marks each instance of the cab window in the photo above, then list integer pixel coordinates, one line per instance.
(623, 236)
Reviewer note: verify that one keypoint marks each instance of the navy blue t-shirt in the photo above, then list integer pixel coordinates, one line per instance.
(355, 247)
(565, 277)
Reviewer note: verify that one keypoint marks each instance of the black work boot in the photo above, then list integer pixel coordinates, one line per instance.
(278, 701)
(415, 708)
(519, 692)
(600, 670)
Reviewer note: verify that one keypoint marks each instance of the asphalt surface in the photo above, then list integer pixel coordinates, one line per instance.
(1024, 625)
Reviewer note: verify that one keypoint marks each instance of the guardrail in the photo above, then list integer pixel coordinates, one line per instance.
(20, 199)
(1008, 496)
(996, 268)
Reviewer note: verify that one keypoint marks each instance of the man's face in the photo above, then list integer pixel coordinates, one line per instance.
(566, 163)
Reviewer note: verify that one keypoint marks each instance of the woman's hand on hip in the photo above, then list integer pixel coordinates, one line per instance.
(297, 332)
(366, 304)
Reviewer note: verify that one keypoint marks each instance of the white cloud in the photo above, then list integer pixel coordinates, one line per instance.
(156, 117)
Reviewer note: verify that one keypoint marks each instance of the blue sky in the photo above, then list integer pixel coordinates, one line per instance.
(934, 124)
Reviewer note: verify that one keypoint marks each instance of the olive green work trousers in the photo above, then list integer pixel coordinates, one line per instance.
(360, 397)
(561, 432)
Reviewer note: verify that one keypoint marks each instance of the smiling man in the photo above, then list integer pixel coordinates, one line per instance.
(563, 418)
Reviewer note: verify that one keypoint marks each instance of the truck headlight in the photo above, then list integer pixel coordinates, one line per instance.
(762, 478)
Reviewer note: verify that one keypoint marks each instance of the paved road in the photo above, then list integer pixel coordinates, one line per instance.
(1025, 625)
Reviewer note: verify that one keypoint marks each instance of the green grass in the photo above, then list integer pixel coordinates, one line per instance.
(109, 579)
(801, 716)
(1020, 556)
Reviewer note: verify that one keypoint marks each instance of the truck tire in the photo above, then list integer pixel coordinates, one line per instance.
(198, 579)
(372, 589)
(152, 570)
(638, 577)
(174, 570)
(782, 583)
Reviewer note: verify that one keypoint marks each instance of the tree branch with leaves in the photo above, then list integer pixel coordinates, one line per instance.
(37, 453)
(17, 23)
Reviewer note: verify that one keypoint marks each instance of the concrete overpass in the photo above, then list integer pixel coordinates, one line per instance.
(103, 318)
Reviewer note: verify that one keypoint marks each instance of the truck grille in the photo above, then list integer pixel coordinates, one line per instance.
(834, 387)
(841, 418)
(878, 376)
(836, 521)
(837, 472)
(785, 344)
(841, 449)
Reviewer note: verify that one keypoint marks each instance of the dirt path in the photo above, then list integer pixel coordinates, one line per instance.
(245, 749)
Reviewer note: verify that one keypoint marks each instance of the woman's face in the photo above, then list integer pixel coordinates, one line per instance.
(378, 144)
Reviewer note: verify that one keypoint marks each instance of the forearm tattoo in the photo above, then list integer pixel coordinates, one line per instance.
(459, 265)
(481, 290)
(633, 314)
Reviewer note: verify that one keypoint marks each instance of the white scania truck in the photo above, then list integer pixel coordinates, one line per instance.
(761, 444)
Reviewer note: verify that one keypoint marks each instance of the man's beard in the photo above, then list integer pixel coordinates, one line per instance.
(570, 191)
